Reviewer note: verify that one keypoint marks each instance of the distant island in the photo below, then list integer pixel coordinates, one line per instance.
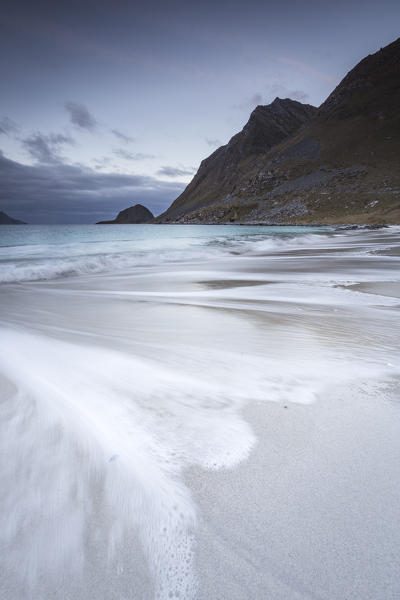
(132, 215)
(6, 220)
(298, 164)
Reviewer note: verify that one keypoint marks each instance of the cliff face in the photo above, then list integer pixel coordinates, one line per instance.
(132, 215)
(295, 164)
(220, 174)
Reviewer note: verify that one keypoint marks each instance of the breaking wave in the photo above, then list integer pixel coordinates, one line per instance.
(30, 259)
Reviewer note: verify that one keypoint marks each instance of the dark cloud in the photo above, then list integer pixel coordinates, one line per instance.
(8, 126)
(214, 143)
(46, 148)
(80, 116)
(125, 154)
(127, 139)
(60, 193)
(176, 171)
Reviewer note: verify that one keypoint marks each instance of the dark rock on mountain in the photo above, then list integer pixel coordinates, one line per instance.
(295, 164)
(133, 214)
(6, 220)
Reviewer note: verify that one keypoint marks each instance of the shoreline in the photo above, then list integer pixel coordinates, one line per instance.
(344, 226)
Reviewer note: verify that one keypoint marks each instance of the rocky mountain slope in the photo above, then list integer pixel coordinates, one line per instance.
(293, 163)
(6, 220)
(132, 215)
(220, 175)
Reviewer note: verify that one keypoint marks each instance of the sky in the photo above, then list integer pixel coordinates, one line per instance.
(107, 104)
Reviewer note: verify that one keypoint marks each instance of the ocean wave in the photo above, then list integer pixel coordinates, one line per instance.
(46, 261)
(44, 258)
(55, 267)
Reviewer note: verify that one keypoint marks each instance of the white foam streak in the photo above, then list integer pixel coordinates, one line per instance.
(131, 427)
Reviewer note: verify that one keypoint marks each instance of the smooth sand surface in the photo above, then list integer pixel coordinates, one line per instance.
(314, 512)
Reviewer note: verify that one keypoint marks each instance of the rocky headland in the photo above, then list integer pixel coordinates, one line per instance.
(132, 215)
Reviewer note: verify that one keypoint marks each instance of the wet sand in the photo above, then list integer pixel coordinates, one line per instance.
(380, 288)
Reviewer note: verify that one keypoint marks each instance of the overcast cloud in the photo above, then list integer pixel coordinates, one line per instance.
(57, 193)
(178, 79)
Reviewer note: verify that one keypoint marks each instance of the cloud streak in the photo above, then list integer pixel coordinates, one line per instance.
(8, 126)
(126, 155)
(46, 148)
(168, 171)
(123, 137)
(80, 116)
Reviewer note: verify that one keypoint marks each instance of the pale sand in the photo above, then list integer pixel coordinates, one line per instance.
(314, 512)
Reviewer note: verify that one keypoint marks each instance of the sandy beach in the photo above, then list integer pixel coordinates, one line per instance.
(223, 425)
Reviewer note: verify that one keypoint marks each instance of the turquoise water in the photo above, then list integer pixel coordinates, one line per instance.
(29, 253)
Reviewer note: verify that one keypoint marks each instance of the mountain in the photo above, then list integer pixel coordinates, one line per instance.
(6, 220)
(293, 163)
(220, 175)
(131, 215)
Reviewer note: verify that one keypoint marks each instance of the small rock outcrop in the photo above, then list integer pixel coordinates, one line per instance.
(6, 220)
(137, 214)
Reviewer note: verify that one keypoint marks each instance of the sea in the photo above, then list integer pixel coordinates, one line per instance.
(137, 364)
